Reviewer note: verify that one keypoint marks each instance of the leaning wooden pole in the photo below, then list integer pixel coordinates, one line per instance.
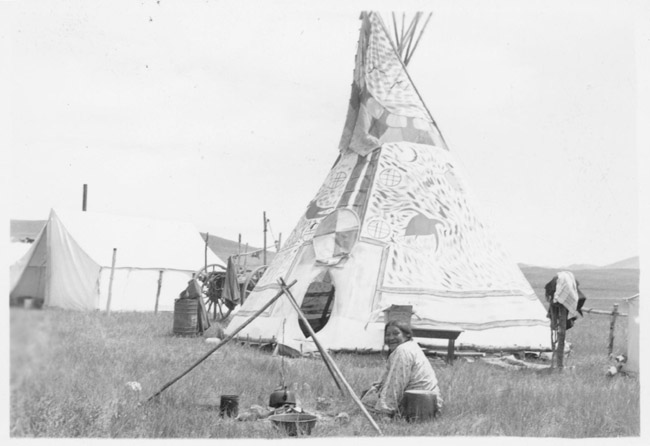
(225, 340)
(110, 282)
(327, 358)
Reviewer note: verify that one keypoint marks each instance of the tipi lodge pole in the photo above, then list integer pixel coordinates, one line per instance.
(328, 359)
(110, 282)
(226, 339)
(85, 196)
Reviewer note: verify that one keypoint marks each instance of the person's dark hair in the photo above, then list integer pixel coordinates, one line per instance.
(404, 327)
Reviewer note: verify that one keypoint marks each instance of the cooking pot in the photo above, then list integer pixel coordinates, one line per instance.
(281, 397)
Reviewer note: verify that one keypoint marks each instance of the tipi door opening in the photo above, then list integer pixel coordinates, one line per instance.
(317, 303)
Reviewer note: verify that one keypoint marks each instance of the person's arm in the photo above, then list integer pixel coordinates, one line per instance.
(395, 382)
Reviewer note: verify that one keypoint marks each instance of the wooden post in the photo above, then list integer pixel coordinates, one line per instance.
(328, 359)
(205, 252)
(226, 339)
(277, 249)
(561, 335)
(160, 274)
(612, 327)
(85, 196)
(245, 257)
(110, 282)
(239, 252)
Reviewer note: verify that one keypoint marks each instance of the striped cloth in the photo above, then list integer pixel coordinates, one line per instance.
(566, 293)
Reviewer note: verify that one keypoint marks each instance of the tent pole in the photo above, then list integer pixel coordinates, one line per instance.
(205, 251)
(413, 85)
(85, 196)
(160, 274)
(239, 252)
(110, 283)
(327, 358)
(226, 339)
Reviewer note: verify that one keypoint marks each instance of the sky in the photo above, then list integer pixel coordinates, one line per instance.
(218, 111)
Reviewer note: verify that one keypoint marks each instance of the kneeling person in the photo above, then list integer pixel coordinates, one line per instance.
(407, 369)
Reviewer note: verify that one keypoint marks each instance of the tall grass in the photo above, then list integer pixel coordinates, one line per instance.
(69, 372)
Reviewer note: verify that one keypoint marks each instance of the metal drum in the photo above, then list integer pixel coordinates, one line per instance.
(229, 405)
(186, 317)
(420, 405)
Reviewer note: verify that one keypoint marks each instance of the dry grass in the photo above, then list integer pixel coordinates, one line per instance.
(69, 372)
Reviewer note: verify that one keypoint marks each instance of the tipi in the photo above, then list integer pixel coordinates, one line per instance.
(393, 225)
(69, 263)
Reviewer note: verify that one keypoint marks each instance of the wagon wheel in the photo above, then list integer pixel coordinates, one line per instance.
(212, 279)
(251, 280)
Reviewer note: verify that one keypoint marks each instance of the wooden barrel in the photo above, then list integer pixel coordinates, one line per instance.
(186, 317)
(420, 405)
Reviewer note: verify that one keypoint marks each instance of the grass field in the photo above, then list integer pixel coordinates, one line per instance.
(69, 372)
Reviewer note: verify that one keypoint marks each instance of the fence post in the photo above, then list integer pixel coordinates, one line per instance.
(612, 326)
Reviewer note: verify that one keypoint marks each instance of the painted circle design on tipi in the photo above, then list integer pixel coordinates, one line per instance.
(390, 177)
(378, 229)
(405, 154)
(336, 235)
(337, 180)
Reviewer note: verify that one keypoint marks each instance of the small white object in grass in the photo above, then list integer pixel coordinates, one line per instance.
(342, 418)
(134, 385)
(212, 340)
(612, 371)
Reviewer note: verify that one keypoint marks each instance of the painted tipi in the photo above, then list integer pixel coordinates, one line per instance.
(393, 224)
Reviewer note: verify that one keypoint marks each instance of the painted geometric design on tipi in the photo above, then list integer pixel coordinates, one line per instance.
(436, 242)
(384, 105)
(335, 236)
(327, 199)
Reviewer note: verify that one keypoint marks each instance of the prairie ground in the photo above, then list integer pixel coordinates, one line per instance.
(68, 375)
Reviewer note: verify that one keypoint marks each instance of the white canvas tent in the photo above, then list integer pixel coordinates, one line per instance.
(394, 224)
(69, 263)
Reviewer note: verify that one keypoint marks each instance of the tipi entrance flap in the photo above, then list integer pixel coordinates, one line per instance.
(317, 303)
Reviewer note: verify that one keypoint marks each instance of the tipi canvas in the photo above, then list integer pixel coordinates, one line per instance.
(393, 224)
(69, 264)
